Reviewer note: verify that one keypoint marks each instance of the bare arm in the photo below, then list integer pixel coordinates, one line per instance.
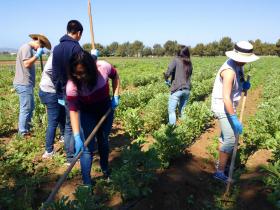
(75, 122)
(116, 85)
(228, 78)
(29, 62)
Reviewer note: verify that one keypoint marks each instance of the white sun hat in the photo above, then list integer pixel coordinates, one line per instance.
(242, 52)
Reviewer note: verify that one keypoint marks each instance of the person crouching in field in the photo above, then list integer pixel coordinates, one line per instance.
(88, 97)
(24, 80)
(55, 111)
(228, 86)
(180, 71)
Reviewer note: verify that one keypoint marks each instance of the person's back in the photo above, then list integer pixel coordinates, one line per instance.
(24, 75)
(180, 71)
(61, 56)
(24, 80)
(62, 53)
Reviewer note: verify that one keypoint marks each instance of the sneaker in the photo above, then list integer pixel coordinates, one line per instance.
(26, 135)
(217, 164)
(227, 167)
(220, 176)
(85, 188)
(47, 155)
(106, 176)
(61, 139)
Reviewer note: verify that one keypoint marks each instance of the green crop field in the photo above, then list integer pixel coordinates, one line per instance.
(145, 143)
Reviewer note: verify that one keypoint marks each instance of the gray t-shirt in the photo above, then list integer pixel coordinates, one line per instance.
(24, 76)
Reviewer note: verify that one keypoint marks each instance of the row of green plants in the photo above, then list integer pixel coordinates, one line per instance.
(263, 129)
(143, 113)
(21, 171)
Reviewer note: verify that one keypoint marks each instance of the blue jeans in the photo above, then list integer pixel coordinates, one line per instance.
(69, 142)
(26, 104)
(56, 116)
(227, 134)
(88, 120)
(180, 98)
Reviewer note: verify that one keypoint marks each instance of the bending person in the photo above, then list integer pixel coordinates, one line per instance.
(89, 99)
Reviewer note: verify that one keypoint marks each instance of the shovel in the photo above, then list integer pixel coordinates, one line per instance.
(235, 145)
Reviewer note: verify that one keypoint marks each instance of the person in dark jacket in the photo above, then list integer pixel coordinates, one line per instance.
(180, 71)
(69, 45)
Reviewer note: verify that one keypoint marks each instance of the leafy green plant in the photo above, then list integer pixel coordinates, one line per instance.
(136, 172)
(273, 181)
(132, 123)
(168, 144)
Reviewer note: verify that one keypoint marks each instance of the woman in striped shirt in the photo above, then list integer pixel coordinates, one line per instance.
(89, 99)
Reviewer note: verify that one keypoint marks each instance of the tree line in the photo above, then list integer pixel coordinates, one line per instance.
(170, 48)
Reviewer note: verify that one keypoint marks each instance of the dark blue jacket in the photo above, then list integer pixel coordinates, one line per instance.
(61, 57)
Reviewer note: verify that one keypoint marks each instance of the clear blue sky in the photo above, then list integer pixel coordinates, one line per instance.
(151, 21)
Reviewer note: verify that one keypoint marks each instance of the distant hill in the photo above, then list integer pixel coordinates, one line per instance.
(10, 50)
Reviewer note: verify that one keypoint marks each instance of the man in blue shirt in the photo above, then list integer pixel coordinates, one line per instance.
(69, 44)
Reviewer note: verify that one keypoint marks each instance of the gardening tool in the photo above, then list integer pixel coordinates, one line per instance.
(236, 144)
(91, 25)
(64, 176)
(41, 62)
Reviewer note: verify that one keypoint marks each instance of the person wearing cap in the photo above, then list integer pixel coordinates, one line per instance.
(228, 86)
(180, 71)
(24, 80)
(69, 44)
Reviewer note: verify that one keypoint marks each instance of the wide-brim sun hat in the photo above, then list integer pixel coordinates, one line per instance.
(242, 52)
(43, 39)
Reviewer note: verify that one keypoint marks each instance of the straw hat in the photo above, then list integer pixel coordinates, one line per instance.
(42, 39)
(242, 52)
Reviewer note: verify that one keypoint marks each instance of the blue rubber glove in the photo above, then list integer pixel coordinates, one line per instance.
(61, 102)
(39, 52)
(237, 126)
(94, 52)
(168, 83)
(79, 145)
(246, 85)
(115, 102)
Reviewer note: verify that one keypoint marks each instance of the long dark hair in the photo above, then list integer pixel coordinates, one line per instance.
(184, 55)
(89, 79)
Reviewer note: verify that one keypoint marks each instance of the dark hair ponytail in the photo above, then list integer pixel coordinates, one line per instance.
(184, 56)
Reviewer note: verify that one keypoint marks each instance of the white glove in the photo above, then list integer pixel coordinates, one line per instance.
(94, 52)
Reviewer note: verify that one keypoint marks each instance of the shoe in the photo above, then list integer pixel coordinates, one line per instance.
(47, 155)
(61, 139)
(226, 172)
(85, 188)
(26, 135)
(227, 167)
(106, 176)
(217, 164)
(220, 176)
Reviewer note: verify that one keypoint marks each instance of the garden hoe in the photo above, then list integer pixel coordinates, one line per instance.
(64, 176)
(88, 140)
(226, 194)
